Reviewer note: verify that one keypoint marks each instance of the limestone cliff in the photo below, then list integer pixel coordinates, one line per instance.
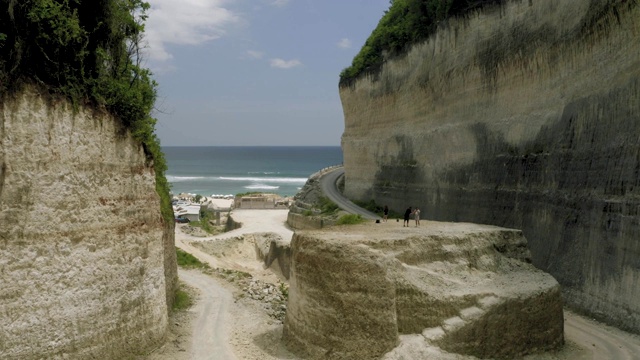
(524, 115)
(84, 268)
(464, 288)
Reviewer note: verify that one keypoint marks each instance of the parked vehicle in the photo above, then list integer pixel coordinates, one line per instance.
(182, 219)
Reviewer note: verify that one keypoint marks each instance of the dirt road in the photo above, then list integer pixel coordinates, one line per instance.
(210, 330)
(600, 341)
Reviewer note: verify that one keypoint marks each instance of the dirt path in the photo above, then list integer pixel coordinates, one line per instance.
(600, 341)
(242, 330)
(210, 330)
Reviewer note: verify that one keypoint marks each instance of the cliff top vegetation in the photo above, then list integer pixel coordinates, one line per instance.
(89, 52)
(405, 23)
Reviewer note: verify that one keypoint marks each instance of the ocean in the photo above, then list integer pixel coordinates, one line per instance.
(230, 170)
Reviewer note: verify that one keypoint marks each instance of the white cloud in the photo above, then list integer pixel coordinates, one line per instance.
(185, 22)
(344, 43)
(255, 54)
(280, 3)
(285, 64)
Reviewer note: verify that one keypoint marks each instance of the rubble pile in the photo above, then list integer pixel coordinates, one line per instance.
(272, 297)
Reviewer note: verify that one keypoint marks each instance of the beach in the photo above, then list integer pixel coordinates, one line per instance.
(281, 170)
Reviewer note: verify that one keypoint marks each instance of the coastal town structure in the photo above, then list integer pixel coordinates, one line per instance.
(261, 201)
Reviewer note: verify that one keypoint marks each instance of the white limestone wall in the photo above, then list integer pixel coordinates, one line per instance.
(81, 235)
(523, 115)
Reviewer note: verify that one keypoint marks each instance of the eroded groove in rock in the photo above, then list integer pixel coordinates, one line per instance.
(271, 247)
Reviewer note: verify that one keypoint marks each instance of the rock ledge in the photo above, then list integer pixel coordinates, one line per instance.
(466, 288)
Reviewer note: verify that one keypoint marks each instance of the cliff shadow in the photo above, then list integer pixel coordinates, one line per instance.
(574, 191)
(398, 178)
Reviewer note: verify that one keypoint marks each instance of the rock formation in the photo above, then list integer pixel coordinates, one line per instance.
(306, 211)
(524, 115)
(270, 248)
(88, 264)
(465, 288)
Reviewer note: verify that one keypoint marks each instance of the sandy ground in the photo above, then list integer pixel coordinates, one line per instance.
(225, 325)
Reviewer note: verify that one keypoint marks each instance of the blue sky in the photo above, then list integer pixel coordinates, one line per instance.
(253, 72)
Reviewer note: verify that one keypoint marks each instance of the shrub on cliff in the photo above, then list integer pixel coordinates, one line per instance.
(88, 51)
(406, 22)
(189, 261)
(327, 207)
(350, 219)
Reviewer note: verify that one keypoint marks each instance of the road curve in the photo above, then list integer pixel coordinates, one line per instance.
(601, 341)
(328, 186)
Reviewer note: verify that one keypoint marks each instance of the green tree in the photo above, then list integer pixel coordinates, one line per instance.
(405, 23)
(88, 51)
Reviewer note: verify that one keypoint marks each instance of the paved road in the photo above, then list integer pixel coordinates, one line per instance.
(329, 188)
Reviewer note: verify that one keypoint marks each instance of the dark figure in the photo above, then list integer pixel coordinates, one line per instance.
(385, 213)
(407, 214)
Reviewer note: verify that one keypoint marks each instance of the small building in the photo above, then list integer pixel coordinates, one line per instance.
(191, 212)
(255, 201)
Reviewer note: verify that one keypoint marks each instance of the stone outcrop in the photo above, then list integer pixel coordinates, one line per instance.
(523, 115)
(464, 288)
(270, 248)
(305, 212)
(88, 264)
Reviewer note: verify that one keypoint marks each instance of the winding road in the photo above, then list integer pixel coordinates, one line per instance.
(601, 341)
(328, 185)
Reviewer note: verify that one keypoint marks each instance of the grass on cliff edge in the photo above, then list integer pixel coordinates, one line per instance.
(406, 22)
(182, 300)
(350, 219)
(327, 207)
(377, 209)
(189, 261)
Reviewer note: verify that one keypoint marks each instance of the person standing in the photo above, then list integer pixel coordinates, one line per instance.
(407, 214)
(416, 215)
(385, 213)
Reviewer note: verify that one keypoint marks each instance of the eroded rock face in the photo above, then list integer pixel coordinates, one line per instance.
(271, 247)
(524, 116)
(83, 264)
(465, 288)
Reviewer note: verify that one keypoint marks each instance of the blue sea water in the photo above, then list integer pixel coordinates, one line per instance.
(231, 170)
